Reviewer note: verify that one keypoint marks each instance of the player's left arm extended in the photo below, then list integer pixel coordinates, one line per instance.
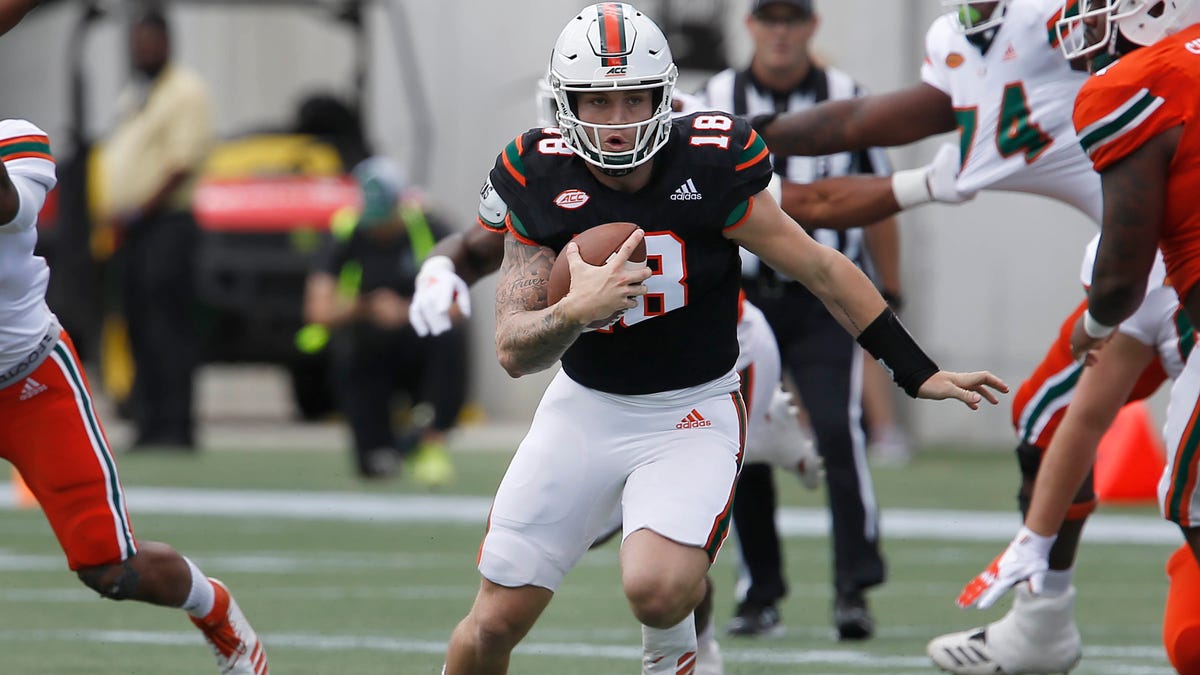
(856, 304)
(1134, 202)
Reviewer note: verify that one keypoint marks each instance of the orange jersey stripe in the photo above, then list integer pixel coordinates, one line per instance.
(755, 160)
(29, 155)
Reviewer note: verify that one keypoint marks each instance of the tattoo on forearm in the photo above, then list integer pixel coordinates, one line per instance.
(532, 335)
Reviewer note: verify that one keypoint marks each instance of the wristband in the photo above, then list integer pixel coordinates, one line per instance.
(910, 188)
(887, 340)
(760, 122)
(1040, 543)
(437, 263)
(1094, 328)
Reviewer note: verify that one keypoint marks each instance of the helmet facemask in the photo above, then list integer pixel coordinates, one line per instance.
(971, 20)
(1139, 22)
(586, 138)
(612, 48)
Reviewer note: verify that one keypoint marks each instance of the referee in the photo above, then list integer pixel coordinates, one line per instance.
(822, 360)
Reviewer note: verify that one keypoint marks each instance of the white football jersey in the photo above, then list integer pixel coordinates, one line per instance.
(24, 315)
(1014, 105)
(1158, 322)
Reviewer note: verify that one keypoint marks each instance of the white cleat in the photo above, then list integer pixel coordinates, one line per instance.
(1038, 636)
(708, 658)
(237, 647)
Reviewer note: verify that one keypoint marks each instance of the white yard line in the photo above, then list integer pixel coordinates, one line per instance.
(1099, 660)
(925, 524)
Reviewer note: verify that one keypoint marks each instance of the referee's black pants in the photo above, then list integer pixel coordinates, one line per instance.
(820, 358)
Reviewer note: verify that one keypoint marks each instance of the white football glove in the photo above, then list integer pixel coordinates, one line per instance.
(438, 287)
(783, 442)
(941, 176)
(1027, 557)
(934, 182)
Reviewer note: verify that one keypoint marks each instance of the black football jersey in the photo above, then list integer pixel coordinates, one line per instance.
(684, 331)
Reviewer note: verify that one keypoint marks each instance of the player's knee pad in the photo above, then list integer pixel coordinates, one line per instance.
(116, 581)
(1181, 618)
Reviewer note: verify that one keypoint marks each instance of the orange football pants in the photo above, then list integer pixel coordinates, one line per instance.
(50, 432)
(1181, 619)
(1041, 401)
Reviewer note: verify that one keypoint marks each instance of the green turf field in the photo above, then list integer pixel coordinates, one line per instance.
(339, 577)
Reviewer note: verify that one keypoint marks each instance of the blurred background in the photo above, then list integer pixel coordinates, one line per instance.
(441, 87)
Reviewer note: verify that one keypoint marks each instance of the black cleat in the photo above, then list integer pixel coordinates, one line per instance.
(754, 620)
(852, 617)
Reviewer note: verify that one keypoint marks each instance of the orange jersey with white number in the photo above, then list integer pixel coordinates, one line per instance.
(1146, 93)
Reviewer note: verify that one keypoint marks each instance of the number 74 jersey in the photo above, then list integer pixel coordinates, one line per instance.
(1013, 103)
(684, 330)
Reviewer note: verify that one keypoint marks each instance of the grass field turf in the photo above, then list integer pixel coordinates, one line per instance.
(352, 593)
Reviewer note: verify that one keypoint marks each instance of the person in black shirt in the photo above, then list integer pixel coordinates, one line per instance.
(647, 413)
(361, 290)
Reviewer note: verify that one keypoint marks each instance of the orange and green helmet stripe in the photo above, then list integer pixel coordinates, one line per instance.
(613, 41)
(22, 147)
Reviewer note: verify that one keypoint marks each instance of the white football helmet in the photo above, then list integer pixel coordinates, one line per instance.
(547, 109)
(971, 20)
(1142, 22)
(612, 46)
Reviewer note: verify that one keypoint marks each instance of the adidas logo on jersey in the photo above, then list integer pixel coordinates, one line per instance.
(694, 420)
(686, 192)
(32, 388)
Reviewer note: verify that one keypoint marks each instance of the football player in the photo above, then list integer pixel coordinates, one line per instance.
(994, 71)
(50, 433)
(607, 430)
(1158, 331)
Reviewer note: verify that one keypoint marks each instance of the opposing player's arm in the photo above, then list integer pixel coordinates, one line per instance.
(1103, 388)
(476, 252)
(880, 120)
(12, 11)
(840, 203)
(1134, 198)
(855, 303)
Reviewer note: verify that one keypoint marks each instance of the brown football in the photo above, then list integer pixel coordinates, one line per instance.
(595, 245)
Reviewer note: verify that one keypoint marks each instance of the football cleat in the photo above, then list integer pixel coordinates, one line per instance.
(753, 620)
(233, 641)
(1038, 636)
(852, 616)
(431, 466)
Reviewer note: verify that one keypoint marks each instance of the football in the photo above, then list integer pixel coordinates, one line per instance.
(595, 246)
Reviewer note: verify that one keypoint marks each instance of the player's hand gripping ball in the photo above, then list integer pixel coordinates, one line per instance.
(595, 246)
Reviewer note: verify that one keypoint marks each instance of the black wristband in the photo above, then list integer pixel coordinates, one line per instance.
(895, 301)
(887, 340)
(760, 122)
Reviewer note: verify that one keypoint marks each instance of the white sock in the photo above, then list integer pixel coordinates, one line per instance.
(201, 598)
(1058, 582)
(664, 650)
